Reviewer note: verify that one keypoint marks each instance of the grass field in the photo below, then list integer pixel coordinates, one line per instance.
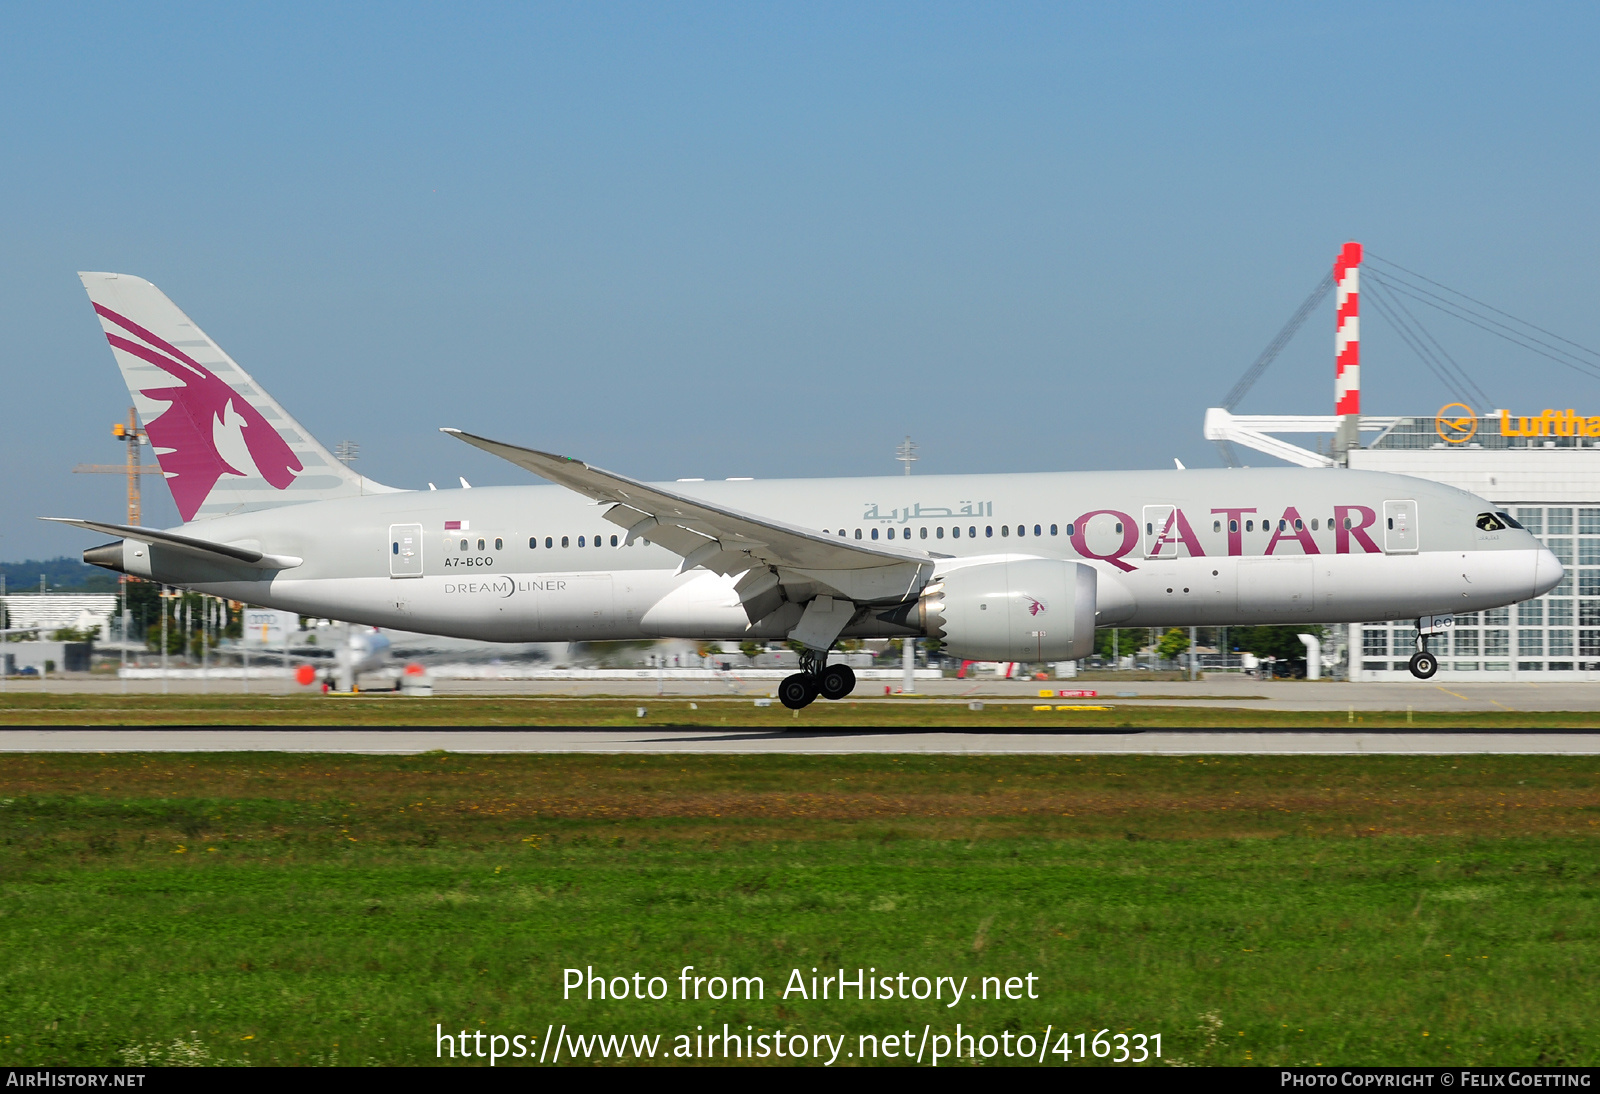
(271, 908)
(262, 710)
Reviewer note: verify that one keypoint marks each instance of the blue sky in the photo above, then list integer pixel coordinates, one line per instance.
(770, 240)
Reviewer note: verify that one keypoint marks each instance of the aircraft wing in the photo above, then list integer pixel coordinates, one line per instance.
(725, 540)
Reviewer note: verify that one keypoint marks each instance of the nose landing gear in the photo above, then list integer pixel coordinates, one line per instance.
(815, 678)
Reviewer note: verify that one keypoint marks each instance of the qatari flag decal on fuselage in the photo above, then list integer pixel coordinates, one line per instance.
(201, 408)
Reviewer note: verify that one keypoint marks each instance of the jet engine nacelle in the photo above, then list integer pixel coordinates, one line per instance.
(1035, 609)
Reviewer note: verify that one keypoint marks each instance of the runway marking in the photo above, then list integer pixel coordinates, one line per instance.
(1457, 694)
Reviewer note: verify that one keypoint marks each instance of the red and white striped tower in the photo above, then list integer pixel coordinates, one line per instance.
(1347, 349)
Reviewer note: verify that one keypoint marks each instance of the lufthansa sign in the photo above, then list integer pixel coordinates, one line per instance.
(1457, 424)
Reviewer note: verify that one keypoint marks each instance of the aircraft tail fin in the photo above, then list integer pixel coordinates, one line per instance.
(224, 444)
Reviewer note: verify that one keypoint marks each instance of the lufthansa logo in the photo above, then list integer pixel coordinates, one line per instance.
(1456, 428)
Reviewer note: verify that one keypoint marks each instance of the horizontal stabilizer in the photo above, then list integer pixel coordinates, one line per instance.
(188, 544)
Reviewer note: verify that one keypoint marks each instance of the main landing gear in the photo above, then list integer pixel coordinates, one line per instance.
(1422, 664)
(816, 678)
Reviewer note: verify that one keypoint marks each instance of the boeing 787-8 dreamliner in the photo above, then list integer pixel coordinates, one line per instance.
(1007, 567)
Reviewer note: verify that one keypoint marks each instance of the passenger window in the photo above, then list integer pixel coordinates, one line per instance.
(1249, 526)
(1053, 530)
(891, 533)
(1149, 528)
(396, 547)
(1119, 527)
(580, 541)
(1391, 523)
(463, 545)
(1298, 526)
(1488, 522)
(858, 533)
(874, 533)
(564, 541)
(923, 534)
(1216, 526)
(938, 533)
(1313, 524)
(533, 543)
(613, 541)
(548, 543)
(1233, 526)
(498, 544)
(955, 533)
(1022, 529)
(1346, 524)
(1283, 526)
(480, 545)
(972, 531)
(1005, 530)
(1072, 529)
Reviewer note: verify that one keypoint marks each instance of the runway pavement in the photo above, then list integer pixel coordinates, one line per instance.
(725, 741)
(1238, 692)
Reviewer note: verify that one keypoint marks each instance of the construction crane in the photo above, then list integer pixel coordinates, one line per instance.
(134, 437)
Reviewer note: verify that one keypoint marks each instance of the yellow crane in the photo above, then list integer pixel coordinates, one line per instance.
(134, 437)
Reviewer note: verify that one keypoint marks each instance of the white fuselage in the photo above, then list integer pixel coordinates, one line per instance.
(1177, 548)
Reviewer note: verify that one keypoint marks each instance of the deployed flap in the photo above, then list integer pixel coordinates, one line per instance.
(722, 540)
(188, 544)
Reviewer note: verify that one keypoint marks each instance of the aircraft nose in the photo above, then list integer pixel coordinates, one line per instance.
(1547, 572)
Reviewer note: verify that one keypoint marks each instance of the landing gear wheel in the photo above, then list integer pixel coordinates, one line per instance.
(1423, 665)
(837, 681)
(798, 691)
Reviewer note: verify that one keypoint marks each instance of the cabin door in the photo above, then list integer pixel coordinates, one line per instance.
(405, 550)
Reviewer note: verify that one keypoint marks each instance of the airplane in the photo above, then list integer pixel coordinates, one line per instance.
(364, 649)
(999, 567)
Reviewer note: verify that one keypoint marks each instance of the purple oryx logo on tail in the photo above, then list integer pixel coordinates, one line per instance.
(204, 416)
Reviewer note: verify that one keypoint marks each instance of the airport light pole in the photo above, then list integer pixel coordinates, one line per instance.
(162, 599)
(906, 453)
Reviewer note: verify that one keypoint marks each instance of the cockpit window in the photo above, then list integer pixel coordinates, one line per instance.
(1508, 519)
(1492, 522)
